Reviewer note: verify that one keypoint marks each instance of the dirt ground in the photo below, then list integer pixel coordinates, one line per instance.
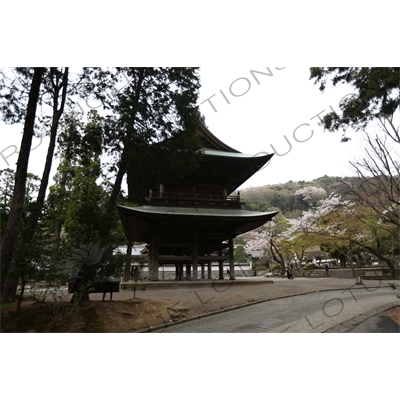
(91, 317)
(158, 305)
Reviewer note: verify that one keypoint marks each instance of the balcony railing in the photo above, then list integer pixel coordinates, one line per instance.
(179, 196)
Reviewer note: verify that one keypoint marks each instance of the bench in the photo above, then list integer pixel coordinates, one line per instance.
(98, 287)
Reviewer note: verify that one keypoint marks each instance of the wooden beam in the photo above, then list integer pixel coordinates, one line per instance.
(188, 259)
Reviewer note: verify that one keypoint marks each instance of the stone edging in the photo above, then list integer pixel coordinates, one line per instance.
(351, 323)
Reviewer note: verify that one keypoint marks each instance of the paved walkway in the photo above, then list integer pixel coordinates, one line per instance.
(202, 297)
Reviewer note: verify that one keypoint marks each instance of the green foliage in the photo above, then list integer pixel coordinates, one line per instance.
(377, 94)
(78, 201)
(258, 266)
(311, 266)
(263, 264)
(6, 190)
(31, 261)
(153, 117)
(240, 254)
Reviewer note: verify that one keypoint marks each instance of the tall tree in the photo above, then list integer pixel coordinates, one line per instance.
(373, 109)
(9, 239)
(151, 129)
(78, 200)
(57, 88)
(30, 260)
(52, 99)
(348, 225)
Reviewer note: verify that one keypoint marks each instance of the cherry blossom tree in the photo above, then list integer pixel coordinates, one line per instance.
(312, 195)
(270, 240)
(344, 224)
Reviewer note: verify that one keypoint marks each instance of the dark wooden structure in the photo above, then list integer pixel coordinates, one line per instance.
(192, 222)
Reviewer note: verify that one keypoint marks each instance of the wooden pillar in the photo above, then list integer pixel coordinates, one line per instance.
(203, 276)
(177, 270)
(231, 260)
(195, 259)
(188, 274)
(220, 267)
(153, 259)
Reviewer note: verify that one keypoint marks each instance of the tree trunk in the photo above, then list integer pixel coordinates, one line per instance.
(112, 203)
(21, 295)
(57, 113)
(351, 261)
(124, 157)
(127, 272)
(278, 257)
(9, 293)
(9, 240)
(58, 227)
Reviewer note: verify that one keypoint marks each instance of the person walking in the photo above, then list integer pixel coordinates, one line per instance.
(291, 272)
(327, 270)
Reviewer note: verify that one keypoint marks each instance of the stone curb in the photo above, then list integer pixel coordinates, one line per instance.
(350, 324)
(182, 321)
(195, 283)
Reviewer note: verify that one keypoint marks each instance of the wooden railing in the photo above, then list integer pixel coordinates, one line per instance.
(154, 195)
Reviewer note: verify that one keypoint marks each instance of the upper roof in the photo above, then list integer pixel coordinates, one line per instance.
(223, 165)
(209, 141)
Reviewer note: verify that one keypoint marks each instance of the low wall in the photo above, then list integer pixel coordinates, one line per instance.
(364, 273)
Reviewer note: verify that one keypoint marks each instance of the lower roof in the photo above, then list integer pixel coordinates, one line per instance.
(181, 223)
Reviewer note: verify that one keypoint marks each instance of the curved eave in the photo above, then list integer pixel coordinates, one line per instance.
(210, 141)
(231, 169)
(218, 154)
(140, 222)
(195, 212)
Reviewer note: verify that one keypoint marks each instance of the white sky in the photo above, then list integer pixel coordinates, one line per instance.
(257, 119)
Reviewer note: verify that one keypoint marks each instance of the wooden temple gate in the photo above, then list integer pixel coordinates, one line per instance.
(191, 222)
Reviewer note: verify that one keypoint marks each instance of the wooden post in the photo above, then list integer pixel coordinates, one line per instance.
(153, 259)
(203, 276)
(195, 255)
(220, 267)
(188, 274)
(231, 260)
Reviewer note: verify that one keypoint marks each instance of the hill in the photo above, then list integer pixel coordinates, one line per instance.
(292, 198)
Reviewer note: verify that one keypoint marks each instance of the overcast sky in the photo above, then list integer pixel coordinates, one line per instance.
(277, 114)
(254, 110)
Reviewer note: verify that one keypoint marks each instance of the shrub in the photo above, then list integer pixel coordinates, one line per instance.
(311, 266)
